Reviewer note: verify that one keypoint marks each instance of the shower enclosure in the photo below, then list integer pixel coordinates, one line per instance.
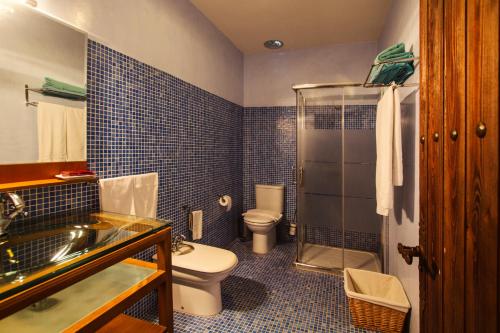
(336, 218)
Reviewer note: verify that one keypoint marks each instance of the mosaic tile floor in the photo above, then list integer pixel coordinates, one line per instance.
(267, 294)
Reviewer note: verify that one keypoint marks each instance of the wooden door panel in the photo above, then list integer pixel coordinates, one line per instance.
(424, 56)
(454, 167)
(481, 270)
(435, 82)
(459, 176)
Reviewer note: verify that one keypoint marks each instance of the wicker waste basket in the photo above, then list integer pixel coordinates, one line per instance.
(376, 301)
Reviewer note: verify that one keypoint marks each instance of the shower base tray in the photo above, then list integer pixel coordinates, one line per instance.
(329, 259)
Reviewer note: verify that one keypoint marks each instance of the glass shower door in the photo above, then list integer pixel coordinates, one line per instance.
(320, 183)
(336, 217)
(362, 225)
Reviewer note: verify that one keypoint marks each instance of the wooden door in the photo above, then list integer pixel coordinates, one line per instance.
(459, 166)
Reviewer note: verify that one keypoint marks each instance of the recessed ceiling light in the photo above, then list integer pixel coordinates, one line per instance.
(273, 44)
(32, 3)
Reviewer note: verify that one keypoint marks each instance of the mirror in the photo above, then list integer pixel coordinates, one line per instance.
(42, 87)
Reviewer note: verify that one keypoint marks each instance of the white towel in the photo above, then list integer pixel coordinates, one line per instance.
(51, 120)
(397, 153)
(116, 195)
(389, 167)
(196, 223)
(76, 134)
(146, 194)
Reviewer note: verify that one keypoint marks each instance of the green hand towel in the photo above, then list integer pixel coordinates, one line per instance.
(397, 56)
(397, 73)
(375, 71)
(55, 86)
(390, 52)
(405, 72)
(63, 93)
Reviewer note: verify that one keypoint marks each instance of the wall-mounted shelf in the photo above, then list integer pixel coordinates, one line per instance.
(46, 92)
(43, 182)
(20, 176)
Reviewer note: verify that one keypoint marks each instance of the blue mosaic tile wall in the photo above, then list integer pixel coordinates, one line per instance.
(269, 149)
(144, 120)
(269, 143)
(54, 200)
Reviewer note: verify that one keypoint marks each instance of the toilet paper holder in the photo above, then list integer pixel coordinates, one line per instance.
(225, 201)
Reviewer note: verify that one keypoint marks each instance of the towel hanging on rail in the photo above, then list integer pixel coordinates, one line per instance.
(389, 165)
(61, 133)
(76, 134)
(51, 124)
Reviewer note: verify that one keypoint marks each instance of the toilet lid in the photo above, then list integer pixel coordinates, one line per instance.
(206, 259)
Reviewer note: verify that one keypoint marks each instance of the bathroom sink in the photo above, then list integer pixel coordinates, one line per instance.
(68, 236)
(183, 249)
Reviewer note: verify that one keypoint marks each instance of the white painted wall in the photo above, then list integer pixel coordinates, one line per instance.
(171, 35)
(402, 24)
(268, 77)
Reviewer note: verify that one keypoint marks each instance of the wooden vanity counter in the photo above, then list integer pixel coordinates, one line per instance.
(75, 273)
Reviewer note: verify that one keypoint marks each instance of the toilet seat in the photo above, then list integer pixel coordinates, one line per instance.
(260, 216)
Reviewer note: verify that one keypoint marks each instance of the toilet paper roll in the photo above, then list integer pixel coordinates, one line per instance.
(226, 201)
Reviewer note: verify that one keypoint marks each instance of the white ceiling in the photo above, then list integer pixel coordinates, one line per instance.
(298, 23)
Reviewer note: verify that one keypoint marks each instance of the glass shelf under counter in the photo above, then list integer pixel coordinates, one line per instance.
(64, 309)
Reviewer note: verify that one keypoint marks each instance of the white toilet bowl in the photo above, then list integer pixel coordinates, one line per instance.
(262, 221)
(263, 225)
(197, 271)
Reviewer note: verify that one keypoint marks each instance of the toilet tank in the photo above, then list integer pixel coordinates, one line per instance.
(270, 197)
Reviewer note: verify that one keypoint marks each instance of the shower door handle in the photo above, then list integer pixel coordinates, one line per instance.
(301, 176)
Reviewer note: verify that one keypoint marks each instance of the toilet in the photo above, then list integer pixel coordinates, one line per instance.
(197, 271)
(267, 214)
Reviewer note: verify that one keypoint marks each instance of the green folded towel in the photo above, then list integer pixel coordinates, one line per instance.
(398, 56)
(55, 87)
(398, 73)
(390, 52)
(375, 71)
(387, 73)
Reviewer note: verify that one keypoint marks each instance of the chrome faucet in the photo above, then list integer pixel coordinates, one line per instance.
(177, 241)
(11, 205)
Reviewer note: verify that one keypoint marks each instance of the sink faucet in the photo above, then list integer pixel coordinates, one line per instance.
(177, 241)
(11, 205)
